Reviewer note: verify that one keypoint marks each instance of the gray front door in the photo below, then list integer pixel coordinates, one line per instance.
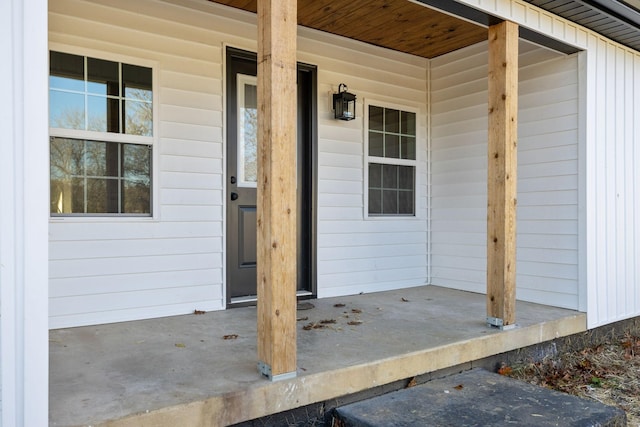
(242, 174)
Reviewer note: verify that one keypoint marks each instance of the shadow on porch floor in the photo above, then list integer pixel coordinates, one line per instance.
(181, 371)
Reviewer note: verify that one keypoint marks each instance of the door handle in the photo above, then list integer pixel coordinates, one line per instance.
(234, 196)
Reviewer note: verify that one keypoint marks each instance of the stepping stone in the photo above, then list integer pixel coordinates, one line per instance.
(478, 398)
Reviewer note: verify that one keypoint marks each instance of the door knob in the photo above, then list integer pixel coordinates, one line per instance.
(234, 196)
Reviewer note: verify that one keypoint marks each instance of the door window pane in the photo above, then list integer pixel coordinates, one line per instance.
(247, 131)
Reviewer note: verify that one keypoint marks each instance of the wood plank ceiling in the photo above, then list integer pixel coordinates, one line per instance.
(394, 24)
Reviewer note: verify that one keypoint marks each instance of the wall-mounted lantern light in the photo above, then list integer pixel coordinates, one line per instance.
(344, 103)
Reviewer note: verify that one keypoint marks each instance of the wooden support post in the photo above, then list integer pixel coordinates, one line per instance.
(502, 174)
(276, 240)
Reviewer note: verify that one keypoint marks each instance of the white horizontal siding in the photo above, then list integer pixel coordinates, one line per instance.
(547, 224)
(610, 199)
(355, 254)
(107, 270)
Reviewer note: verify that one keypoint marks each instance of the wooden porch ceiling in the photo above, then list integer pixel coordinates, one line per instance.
(394, 24)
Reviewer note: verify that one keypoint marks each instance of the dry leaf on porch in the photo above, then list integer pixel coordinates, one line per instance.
(412, 382)
(356, 310)
(459, 387)
(198, 311)
(328, 321)
(313, 325)
(230, 337)
(339, 305)
(403, 299)
(299, 319)
(180, 345)
(355, 322)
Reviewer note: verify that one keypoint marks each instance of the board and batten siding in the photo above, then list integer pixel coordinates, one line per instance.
(610, 134)
(612, 123)
(547, 213)
(114, 269)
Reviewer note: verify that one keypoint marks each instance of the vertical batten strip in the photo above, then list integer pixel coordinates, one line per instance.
(502, 174)
(276, 240)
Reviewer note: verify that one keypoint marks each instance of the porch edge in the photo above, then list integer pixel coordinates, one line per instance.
(271, 398)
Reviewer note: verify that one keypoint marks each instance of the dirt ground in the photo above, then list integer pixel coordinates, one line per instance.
(608, 372)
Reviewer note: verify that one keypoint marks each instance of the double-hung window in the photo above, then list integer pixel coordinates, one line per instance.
(101, 136)
(391, 161)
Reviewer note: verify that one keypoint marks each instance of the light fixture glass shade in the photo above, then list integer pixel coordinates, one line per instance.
(344, 104)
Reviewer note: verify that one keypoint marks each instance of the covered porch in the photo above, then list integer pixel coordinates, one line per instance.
(182, 371)
(201, 369)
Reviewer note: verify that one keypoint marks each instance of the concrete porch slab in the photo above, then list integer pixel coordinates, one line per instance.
(182, 371)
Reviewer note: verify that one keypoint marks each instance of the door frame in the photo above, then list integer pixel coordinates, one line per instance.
(311, 162)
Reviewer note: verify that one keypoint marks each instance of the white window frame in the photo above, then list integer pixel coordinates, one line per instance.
(114, 137)
(391, 161)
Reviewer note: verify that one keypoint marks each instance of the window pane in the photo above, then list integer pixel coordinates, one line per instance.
(376, 141)
(103, 114)
(405, 202)
(66, 71)
(102, 195)
(67, 195)
(391, 120)
(66, 158)
(66, 110)
(376, 118)
(391, 146)
(375, 201)
(101, 159)
(375, 175)
(408, 123)
(78, 195)
(136, 82)
(389, 176)
(406, 177)
(102, 77)
(136, 162)
(408, 147)
(136, 197)
(389, 202)
(138, 118)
